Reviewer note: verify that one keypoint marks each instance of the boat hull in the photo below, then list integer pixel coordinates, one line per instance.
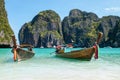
(84, 54)
(23, 54)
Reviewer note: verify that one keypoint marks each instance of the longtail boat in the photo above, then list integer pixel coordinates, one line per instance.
(83, 54)
(19, 53)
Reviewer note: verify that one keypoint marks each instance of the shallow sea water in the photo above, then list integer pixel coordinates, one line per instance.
(45, 66)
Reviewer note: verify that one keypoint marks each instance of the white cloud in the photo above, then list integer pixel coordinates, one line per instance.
(115, 9)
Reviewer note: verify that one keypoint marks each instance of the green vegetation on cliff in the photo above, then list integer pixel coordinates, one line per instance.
(5, 30)
(82, 27)
(79, 26)
(50, 16)
(45, 28)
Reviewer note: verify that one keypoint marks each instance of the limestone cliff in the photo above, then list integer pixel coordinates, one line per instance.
(110, 26)
(43, 31)
(82, 27)
(79, 27)
(5, 29)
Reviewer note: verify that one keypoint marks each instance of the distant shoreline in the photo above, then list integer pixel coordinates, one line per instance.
(5, 46)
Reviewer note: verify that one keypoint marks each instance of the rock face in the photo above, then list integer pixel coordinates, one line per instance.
(79, 27)
(110, 26)
(5, 30)
(82, 27)
(43, 31)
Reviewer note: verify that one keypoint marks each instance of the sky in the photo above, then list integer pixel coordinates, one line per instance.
(22, 11)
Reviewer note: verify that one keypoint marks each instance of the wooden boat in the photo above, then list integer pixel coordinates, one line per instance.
(19, 53)
(84, 54)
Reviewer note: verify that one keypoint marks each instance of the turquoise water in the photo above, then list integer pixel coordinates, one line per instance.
(45, 66)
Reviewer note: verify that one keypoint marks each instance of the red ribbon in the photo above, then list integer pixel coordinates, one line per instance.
(58, 47)
(96, 51)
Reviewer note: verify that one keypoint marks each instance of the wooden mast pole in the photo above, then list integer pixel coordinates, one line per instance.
(14, 48)
(96, 47)
(99, 37)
